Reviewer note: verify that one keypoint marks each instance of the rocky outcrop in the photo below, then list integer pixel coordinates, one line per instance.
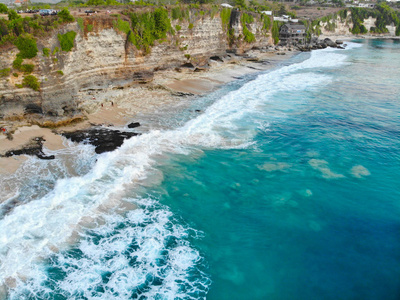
(103, 59)
(34, 147)
(103, 139)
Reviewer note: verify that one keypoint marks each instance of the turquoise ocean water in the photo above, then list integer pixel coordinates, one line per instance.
(286, 186)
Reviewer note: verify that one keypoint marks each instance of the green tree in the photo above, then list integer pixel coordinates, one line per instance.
(12, 15)
(282, 10)
(3, 8)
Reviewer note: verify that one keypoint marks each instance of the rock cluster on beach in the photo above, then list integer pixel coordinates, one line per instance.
(316, 44)
(103, 139)
(34, 147)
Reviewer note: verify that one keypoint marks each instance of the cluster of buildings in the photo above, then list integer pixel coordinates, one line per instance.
(16, 3)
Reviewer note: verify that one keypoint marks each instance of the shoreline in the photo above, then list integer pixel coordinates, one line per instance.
(356, 37)
(116, 108)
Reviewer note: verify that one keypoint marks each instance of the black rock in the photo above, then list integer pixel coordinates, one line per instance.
(134, 125)
(34, 147)
(216, 58)
(103, 139)
(187, 65)
(330, 43)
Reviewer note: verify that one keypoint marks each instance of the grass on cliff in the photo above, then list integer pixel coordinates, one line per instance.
(29, 81)
(5, 72)
(67, 40)
(248, 36)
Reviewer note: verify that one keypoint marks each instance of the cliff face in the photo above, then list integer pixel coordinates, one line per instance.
(103, 58)
(343, 27)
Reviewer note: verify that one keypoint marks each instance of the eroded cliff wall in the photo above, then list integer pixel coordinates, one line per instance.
(343, 26)
(104, 58)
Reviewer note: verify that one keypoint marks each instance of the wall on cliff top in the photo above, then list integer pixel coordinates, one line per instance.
(102, 57)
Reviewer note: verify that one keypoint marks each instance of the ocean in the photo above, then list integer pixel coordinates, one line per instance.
(284, 186)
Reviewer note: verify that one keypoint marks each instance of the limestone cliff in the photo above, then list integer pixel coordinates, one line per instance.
(104, 58)
(342, 26)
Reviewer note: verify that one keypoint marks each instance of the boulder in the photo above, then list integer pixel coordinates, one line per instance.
(133, 125)
(330, 43)
(339, 42)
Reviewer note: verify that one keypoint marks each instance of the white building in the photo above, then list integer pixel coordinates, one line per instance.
(267, 12)
(226, 5)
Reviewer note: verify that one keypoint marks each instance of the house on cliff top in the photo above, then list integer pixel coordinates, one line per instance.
(290, 34)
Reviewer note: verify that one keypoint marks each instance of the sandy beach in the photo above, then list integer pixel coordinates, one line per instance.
(116, 108)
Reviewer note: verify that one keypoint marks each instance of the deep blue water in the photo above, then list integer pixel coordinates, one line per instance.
(285, 187)
(288, 218)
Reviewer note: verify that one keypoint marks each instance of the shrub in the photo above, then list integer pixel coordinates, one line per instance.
(31, 82)
(176, 13)
(65, 16)
(89, 27)
(80, 23)
(15, 74)
(67, 40)
(46, 52)
(26, 44)
(178, 27)
(27, 68)
(17, 62)
(122, 25)
(12, 15)
(187, 56)
(60, 72)
(190, 26)
(5, 72)
(56, 49)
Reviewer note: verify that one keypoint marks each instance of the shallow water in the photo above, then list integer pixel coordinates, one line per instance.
(284, 187)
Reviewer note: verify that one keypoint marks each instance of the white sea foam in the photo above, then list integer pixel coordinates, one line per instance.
(43, 226)
(147, 257)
